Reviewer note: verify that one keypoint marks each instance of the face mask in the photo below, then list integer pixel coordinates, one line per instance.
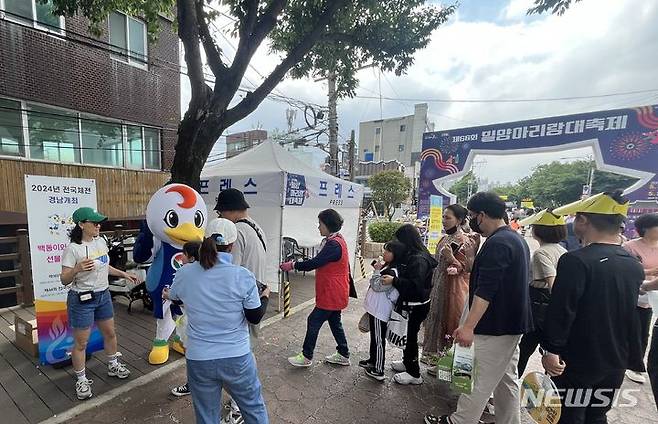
(475, 225)
(452, 230)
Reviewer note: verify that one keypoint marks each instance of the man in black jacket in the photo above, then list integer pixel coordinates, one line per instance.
(592, 331)
(499, 314)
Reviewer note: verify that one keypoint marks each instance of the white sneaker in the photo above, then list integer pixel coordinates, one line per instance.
(338, 359)
(83, 389)
(405, 378)
(637, 377)
(398, 366)
(119, 370)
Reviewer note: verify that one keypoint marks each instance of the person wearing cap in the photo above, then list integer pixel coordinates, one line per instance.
(591, 335)
(220, 299)
(249, 251)
(85, 267)
(549, 230)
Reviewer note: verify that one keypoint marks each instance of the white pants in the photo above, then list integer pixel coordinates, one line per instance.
(165, 326)
(496, 360)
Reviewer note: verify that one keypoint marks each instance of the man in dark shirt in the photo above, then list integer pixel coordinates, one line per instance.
(499, 314)
(592, 332)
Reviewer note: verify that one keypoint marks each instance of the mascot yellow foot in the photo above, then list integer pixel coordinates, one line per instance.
(159, 352)
(177, 345)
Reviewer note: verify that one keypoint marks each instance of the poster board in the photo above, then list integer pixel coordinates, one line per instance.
(51, 202)
(435, 223)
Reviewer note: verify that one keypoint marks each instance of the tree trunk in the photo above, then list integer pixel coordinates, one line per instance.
(196, 138)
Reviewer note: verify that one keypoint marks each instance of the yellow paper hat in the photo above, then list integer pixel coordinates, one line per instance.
(544, 217)
(600, 203)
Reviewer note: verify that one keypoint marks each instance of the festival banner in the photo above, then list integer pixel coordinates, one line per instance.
(435, 225)
(624, 141)
(51, 202)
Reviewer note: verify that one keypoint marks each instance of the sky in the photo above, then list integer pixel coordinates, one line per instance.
(490, 49)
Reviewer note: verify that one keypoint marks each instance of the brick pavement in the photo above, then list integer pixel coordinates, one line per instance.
(322, 394)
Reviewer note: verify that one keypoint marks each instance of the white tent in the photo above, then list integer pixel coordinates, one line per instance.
(285, 196)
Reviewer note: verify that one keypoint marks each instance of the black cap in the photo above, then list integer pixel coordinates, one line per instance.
(231, 200)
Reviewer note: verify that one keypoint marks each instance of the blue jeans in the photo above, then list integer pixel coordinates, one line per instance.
(238, 376)
(314, 323)
(83, 315)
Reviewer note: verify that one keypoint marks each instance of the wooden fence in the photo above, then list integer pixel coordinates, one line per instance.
(21, 270)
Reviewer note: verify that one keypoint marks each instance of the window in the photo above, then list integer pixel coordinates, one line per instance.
(134, 154)
(401, 148)
(102, 142)
(378, 131)
(152, 148)
(11, 128)
(128, 38)
(403, 128)
(38, 14)
(54, 134)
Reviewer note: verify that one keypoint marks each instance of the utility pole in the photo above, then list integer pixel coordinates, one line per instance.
(351, 157)
(333, 126)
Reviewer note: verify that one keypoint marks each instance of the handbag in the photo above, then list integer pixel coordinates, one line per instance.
(396, 333)
(364, 323)
(352, 287)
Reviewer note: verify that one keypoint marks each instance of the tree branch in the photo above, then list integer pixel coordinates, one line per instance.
(247, 24)
(189, 35)
(212, 51)
(252, 100)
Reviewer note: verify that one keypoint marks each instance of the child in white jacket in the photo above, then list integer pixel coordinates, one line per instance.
(379, 303)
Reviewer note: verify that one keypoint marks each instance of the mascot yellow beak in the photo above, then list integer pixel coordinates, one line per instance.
(184, 233)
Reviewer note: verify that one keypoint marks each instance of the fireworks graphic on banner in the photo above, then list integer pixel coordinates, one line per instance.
(630, 146)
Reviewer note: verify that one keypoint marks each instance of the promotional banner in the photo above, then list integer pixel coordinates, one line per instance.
(51, 202)
(435, 225)
(624, 141)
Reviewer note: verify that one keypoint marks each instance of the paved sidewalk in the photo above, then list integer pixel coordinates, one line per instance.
(322, 394)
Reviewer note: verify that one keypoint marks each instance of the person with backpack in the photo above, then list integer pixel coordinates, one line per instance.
(414, 284)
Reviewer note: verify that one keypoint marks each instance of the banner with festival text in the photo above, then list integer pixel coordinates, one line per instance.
(51, 202)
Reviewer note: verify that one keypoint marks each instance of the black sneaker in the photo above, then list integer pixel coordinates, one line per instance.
(365, 364)
(182, 390)
(377, 375)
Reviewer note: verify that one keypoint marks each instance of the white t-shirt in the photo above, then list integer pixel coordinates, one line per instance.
(96, 279)
(248, 250)
(544, 263)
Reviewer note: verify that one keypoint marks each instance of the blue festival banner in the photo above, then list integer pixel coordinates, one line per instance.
(624, 141)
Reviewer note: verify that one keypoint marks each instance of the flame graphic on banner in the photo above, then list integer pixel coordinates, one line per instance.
(646, 117)
(438, 160)
(57, 333)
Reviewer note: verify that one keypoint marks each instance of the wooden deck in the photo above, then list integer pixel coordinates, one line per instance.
(30, 393)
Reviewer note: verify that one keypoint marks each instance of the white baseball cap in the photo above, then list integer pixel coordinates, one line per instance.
(223, 231)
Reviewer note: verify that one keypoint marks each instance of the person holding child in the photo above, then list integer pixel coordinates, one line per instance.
(379, 303)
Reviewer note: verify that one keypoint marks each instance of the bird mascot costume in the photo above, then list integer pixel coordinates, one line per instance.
(175, 215)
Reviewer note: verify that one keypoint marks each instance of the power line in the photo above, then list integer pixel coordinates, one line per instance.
(545, 99)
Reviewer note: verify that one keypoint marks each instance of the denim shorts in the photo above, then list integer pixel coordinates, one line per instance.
(83, 315)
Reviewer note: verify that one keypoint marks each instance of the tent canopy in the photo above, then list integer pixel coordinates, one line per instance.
(285, 196)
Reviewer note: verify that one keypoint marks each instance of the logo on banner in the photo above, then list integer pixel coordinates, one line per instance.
(296, 190)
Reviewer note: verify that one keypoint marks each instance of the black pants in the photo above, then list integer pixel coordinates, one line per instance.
(573, 412)
(652, 363)
(377, 343)
(417, 315)
(314, 323)
(527, 346)
(645, 325)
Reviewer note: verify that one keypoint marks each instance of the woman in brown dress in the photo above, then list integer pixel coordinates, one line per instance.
(455, 253)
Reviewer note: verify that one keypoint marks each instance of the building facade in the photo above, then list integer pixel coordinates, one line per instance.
(77, 105)
(243, 141)
(397, 138)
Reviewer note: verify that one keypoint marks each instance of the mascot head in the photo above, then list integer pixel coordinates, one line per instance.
(177, 214)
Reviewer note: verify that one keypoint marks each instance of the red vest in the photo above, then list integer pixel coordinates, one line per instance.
(332, 284)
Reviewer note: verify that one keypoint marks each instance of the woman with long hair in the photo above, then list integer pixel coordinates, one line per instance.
(455, 254)
(414, 284)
